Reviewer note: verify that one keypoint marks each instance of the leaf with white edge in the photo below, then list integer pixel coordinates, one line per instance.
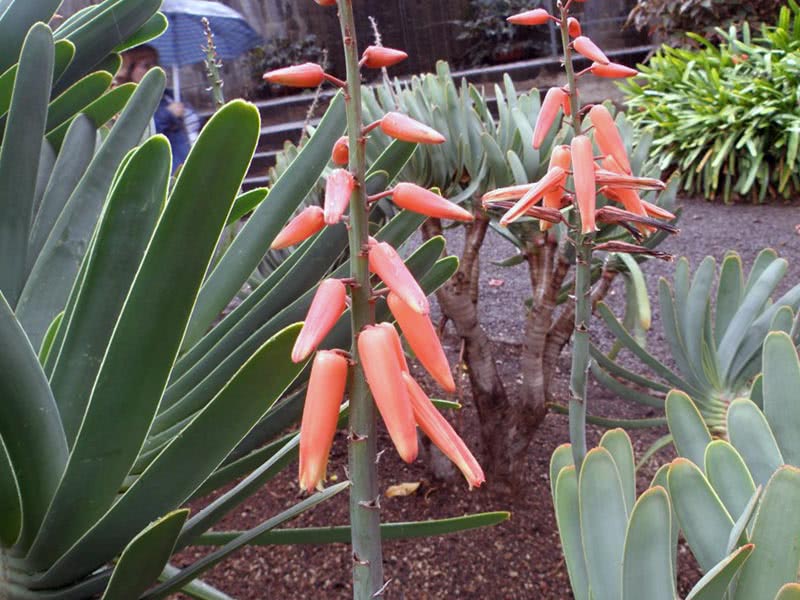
(781, 369)
(790, 591)
(647, 564)
(728, 475)
(617, 442)
(568, 517)
(689, 430)
(145, 557)
(562, 457)
(739, 533)
(715, 583)
(750, 433)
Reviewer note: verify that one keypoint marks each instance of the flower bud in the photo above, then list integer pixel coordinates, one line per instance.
(378, 57)
(612, 70)
(422, 338)
(326, 387)
(386, 263)
(307, 75)
(583, 176)
(326, 308)
(537, 16)
(402, 127)
(587, 48)
(341, 151)
(442, 433)
(420, 200)
(303, 226)
(607, 136)
(553, 100)
(378, 357)
(574, 27)
(338, 189)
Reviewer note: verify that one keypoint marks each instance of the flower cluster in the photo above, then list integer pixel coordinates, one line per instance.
(612, 177)
(401, 402)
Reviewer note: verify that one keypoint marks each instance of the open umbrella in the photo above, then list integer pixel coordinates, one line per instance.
(182, 42)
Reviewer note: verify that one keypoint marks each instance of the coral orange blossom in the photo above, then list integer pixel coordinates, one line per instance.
(311, 220)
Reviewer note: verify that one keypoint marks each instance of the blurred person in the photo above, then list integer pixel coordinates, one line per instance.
(176, 120)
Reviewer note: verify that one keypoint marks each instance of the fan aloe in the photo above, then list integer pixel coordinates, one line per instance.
(715, 325)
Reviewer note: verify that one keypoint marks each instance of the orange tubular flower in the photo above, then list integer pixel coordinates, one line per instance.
(657, 212)
(612, 70)
(378, 57)
(417, 199)
(326, 308)
(561, 158)
(307, 75)
(303, 226)
(607, 136)
(338, 189)
(553, 180)
(442, 433)
(398, 346)
(587, 48)
(402, 127)
(553, 100)
(386, 263)
(583, 176)
(574, 27)
(537, 16)
(321, 412)
(513, 192)
(341, 151)
(422, 338)
(378, 356)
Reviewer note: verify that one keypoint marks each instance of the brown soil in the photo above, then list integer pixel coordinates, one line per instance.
(521, 558)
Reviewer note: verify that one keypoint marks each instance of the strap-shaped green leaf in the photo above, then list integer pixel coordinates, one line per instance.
(568, 517)
(155, 26)
(689, 431)
(647, 565)
(29, 423)
(145, 557)
(671, 320)
(739, 534)
(246, 203)
(124, 232)
(561, 457)
(776, 557)
(16, 21)
(71, 164)
(603, 521)
(702, 516)
(790, 591)
(728, 475)
(54, 271)
(618, 444)
(781, 369)
(77, 97)
(729, 294)
(696, 309)
(661, 478)
(750, 433)
(714, 584)
(149, 331)
(19, 157)
(619, 371)
(10, 501)
(49, 338)
(264, 224)
(205, 563)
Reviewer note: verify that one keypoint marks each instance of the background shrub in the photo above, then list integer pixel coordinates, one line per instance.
(726, 115)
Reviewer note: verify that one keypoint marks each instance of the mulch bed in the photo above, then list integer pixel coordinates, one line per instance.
(522, 557)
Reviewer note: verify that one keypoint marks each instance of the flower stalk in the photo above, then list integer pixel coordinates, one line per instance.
(362, 452)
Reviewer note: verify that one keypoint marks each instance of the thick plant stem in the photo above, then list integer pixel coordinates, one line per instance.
(364, 496)
(583, 286)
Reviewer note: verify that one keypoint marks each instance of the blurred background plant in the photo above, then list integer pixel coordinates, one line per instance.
(668, 20)
(726, 115)
(491, 40)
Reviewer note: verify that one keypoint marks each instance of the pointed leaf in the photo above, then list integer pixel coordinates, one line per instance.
(714, 584)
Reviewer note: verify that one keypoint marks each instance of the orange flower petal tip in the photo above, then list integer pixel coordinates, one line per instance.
(574, 27)
(421, 336)
(608, 137)
(441, 433)
(553, 180)
(587, 48)
(613, 70)
(386, 263)
(340, 155)
(404, 128)
(305, 75)
(398, 346)
(326, 2)
(378, 57)
(378, 356)
(653, 210)
(553, 100)
(583, 174)
(338, 188)
(420, 200)
(537, 16)
(326, 387)
(310, 221)
(327, 306)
